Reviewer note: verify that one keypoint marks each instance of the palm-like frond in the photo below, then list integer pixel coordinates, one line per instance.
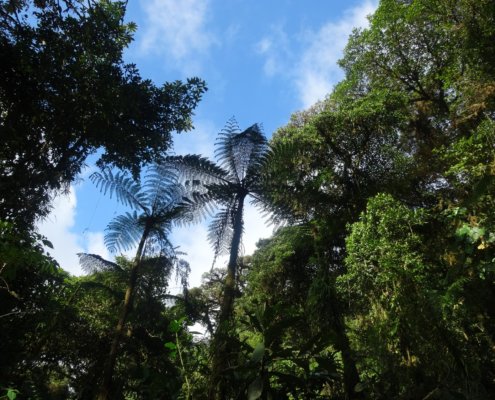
(195, 207)
(159, 198)
(241, 157)
(123, 232)
(161, 185)
(256, 155)
(195, 174)
(223, 193)
(225, 151)
(92, 263)
(194, 171)
(126, 189)
(240, 152)
(266, 190)
(220, 231)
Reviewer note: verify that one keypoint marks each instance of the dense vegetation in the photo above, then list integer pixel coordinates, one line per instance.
(379, 283)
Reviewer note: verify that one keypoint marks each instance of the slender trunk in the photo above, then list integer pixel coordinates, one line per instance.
(105, 390)
(335, 317)
(351, 376)
(222, 343)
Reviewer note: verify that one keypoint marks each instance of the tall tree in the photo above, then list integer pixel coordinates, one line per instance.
(416, 81)
(324, 165)
(237, 175)
(66, 92)
(157, 202)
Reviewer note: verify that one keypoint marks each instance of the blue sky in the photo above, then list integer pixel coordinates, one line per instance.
(262, 61)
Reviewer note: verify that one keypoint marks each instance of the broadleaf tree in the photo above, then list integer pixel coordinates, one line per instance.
(66, 92)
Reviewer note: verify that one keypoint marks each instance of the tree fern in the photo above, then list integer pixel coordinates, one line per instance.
(92, 263)
(225, 185)
(156, 202)
(123, 232)
(126, 189)
(220, 232)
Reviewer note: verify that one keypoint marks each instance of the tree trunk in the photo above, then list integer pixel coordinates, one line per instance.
(105, 391)
(222, 342)
(351, 376)
(334, 315)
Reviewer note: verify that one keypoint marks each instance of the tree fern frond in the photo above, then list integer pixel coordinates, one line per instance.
(194, 170)
(225, 151)
(123, 232)
(195, 207)
(167, 205)
(126, 189)
(266, 189)
(239, 152)
(223, 193)
(260, 151)
(158, 242)
(160, 183)
(220, 232)
(92, 263)
(252, 148)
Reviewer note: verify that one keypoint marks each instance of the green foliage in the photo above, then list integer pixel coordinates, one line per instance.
(381, 285)
(395, 286)
(51, 121)
(285, 356)
(10, 394)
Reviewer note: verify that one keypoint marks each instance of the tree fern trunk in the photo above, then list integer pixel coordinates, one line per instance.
(222, 343)
(105, 392)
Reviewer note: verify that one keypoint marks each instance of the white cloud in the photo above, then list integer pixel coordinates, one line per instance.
(96, 245)
(318, 72)
(177, 29)
(58, 228)
(255, 228)
(314, 71)
(275, 49)
(193, 241)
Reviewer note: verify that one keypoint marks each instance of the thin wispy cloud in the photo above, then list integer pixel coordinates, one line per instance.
(318, 71)
(199, 141)
(275, 49)
(177, 30)
(313, 71)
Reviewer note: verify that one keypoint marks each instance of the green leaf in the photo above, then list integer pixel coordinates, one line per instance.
(12, 394)
(171, 346)
(174, 326)
(47, 243)
(359, 387)
(255, 389)
(258, 353)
